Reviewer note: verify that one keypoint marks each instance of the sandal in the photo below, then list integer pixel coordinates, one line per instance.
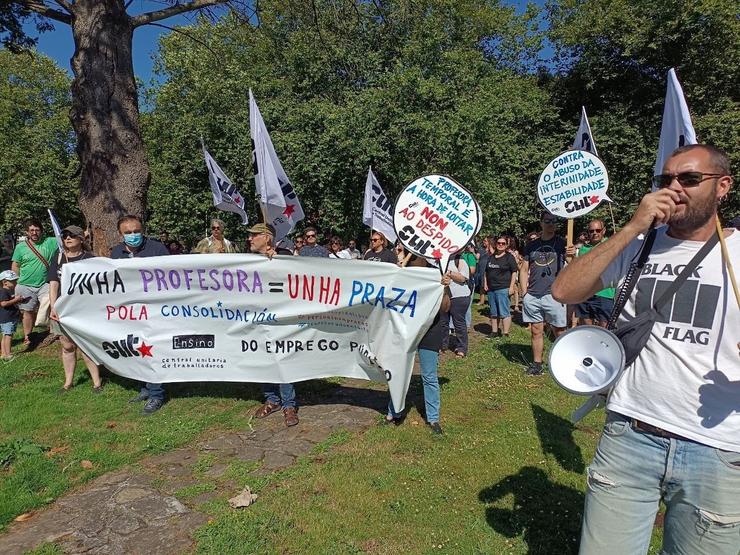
(26, 340)
(459, 354)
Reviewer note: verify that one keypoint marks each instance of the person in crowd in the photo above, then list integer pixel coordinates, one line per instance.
(75, 249)
(9, 313)
(400, 252)
(335, 248)
(31, 262)
(597, 309)
(469, 257)
(6, 253)
(672, 432)
(164, 237)
(216, 242)
(297, 245)
(459, 273)
(513, 250)
(582, 240)
(352, 251)
(543, 260)
(428, 351)
(379, 251)
(481, 255)
(499, 283)
(310, 244)
(277, 396)
(174, 247)
(531, 237)
(135, 244)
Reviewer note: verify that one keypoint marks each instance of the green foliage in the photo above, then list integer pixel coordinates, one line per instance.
(38, 162)
(409, 88)
(11, 450)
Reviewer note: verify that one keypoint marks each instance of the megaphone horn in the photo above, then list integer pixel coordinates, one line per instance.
(586, 360)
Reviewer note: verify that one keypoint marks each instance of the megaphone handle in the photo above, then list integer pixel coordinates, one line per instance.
(580, 413)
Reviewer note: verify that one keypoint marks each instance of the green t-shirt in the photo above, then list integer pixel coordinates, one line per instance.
(469, 258)
(609, 291)
(32, 270)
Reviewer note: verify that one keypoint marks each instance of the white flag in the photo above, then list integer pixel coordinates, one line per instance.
(57, 229)
(225, 196)
(377, 211)
(584, 138)
(677, 129)
(277, 197)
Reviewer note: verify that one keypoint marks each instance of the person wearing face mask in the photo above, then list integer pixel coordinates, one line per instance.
(135, 245)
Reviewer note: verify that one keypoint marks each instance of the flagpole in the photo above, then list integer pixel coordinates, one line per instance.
(726, 256)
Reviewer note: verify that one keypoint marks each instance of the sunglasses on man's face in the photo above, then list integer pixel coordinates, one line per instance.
(549, 221)
(310, 235)
(685, 179)
(374, 240)
(599, 230)
(215, 227)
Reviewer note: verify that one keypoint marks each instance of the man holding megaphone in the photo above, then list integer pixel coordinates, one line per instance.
(672, 430)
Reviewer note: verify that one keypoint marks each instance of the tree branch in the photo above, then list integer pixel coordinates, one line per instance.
(186, 34)
(64, 4)
(42, 9)
(158, 15)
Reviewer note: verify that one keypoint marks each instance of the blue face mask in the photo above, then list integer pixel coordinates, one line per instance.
(133, 239)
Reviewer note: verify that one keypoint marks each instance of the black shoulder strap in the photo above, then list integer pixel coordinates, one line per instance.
(687, 271)
(630, 281)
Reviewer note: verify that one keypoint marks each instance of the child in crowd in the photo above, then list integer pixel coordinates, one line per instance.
(9, 313)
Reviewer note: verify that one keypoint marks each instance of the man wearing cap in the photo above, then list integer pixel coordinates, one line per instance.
(135, 244)
(31, 262)
(277, 396)
(543, 260)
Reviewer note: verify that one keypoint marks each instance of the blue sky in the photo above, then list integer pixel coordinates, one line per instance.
(58, 45)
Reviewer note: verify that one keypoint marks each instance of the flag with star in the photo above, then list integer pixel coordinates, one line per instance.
(225, 196)
(677, 129)
(377, 210)
(584, 138)
(277, 198)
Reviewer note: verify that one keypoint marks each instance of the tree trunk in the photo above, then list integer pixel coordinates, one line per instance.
(105, 115)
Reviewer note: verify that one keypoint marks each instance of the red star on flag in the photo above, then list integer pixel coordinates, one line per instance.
(437, 254)
(289, 209)
(594, 199)
(238, 199)
(145, 350)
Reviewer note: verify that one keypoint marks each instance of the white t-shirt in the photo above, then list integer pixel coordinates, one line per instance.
(687, 378)
(457, 289)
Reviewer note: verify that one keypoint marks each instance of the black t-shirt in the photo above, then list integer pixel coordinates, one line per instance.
(546, 259)
(499, 270)
(386, 255)
(432, 339)
(56, 263)
(8, 313)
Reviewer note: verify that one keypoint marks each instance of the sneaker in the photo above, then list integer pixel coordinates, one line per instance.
(435, 427)
(291, 416)
(142, 396)
(152, 406)
(535, 369)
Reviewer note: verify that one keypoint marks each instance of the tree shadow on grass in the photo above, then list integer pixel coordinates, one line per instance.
(547, 514)
(518, 353)
(556, 438)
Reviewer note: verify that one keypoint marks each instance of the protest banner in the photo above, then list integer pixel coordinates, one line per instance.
(226, 197)
(677, 129)
(572, 185)
(435, 217)
(248, 318)
(376, 209)
(278, 201)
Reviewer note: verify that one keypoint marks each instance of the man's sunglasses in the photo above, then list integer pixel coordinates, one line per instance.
(215, 227)
(596, 230)
(685, 179)
(374, 240)
(309, 235)
(549, 221)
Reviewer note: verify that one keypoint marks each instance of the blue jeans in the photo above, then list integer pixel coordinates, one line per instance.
(499, 304)
(280, 394)
(632, 471)
(428, 362)
(153, 391)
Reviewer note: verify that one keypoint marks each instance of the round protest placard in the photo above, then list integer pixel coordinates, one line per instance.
(435, 217)
(573, 184)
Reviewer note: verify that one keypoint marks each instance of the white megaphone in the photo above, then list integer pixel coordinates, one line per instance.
(587, 360)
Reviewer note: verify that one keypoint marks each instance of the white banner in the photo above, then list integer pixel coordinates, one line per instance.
(246, 318)
(277, 197)
(57, 229)
(584, 139)
(225, 196)
(677, 129)
(377, 210)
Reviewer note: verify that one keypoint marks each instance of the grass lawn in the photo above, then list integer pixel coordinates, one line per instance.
(507, 477)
